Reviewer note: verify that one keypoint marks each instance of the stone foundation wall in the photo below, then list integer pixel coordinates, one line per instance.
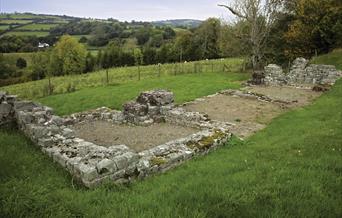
(6, 108)
(92, 164)
(302, 73)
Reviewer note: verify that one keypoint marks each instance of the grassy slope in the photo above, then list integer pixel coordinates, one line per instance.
(333, 58)
(290, 169)
(186, 88)
(28, 33)
(37, 27)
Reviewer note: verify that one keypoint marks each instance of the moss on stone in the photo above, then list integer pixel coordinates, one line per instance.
(207, 141)
(157, 161)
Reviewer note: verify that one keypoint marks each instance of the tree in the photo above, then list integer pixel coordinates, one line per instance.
(149, 54)
(230, 41)
(21, 63)
(68, 56)
(209, 33)
(316, 28)
(169, 33)
(90, 63)
(83, 39)
(6, 70)
(39, 65)
(260, 15)
(142, 36)
(138, 57)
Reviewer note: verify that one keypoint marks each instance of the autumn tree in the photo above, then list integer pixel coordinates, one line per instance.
(260, 16)
(316, 28)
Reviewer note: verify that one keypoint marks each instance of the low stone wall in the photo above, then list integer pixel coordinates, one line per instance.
(93, 164)
(6, 108)
(302, 73)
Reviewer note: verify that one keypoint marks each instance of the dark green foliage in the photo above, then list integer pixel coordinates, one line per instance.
(90, 63)
(308, 27)
(21, 63)
(83, 39)
(143, 35)
(169, 33)
(6, 69)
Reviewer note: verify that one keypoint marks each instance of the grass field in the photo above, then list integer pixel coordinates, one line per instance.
(37, 89)
(11, 58)
(290, 169)
(186, 88)
(78, 37)
(38, 27)
(15, 21)
(28, 33)
(4, 27)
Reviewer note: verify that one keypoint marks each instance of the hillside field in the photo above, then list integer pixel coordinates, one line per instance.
(290, 169)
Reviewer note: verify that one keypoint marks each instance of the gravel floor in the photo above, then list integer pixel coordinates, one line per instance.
(136, 137)
(249, 115)
(299, 97)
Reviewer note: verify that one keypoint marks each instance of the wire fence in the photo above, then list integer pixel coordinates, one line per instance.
(113, 76)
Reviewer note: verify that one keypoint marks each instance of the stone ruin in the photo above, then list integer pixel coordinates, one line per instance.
(301, 72)
(149, 107)
(92, 164)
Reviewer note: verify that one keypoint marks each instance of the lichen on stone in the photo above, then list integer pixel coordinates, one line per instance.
(157, 161)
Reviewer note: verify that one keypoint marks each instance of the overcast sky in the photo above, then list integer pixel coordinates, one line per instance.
(145, 10)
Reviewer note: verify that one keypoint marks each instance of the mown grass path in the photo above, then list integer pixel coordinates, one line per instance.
(293, 168)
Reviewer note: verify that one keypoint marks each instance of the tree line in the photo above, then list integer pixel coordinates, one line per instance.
(264, 32)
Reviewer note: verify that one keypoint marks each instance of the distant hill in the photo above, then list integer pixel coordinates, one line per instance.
(190, 23)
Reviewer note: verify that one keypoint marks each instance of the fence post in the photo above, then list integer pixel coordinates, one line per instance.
(107, 77)
(159, 66)
(212, 67)
(50, 86)
(138, 72)
(195, 68)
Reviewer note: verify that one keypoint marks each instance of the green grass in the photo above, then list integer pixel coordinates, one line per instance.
(333, 58)
(28, 33)
(4, 27)
(15, 21)
(186, 88)
(290, 169)
(11, 58)
(78, 37)
(36, 89)
(38, 27)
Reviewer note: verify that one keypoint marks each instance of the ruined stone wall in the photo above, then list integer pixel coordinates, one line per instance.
(92, 164)
(302, 73)
(6, 108)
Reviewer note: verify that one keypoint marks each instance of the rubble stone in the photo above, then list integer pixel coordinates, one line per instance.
(302, 73)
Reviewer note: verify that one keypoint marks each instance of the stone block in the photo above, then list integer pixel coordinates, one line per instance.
(299, 63)
(57, 120)
(5, 109)
(24, 106)
(135, 108)
(106, 166)
(87, 173)
(68, 133)
(156, 98)
(121, 162)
